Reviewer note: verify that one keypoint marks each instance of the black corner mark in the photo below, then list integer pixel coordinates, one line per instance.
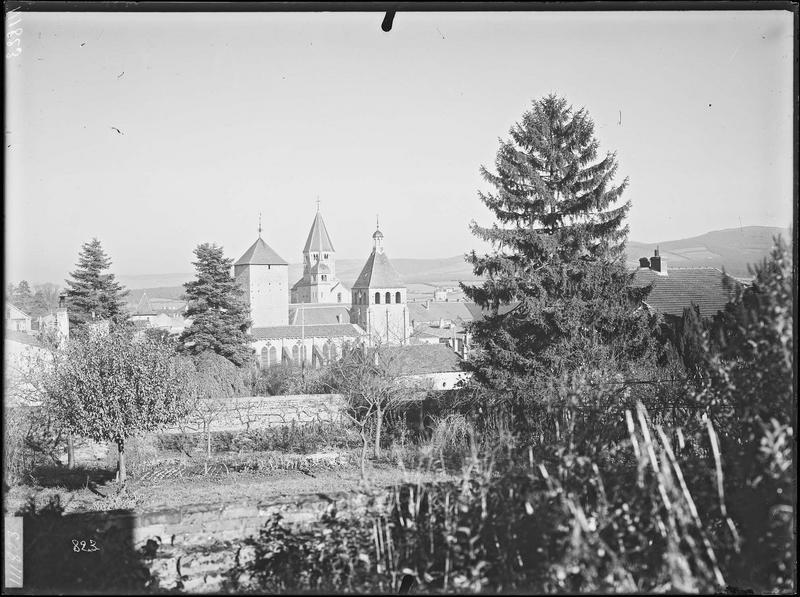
(387, 20)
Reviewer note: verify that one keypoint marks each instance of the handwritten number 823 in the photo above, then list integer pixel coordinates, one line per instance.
(78, 546)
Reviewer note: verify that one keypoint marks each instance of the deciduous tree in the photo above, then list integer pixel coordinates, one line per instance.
(112, 386)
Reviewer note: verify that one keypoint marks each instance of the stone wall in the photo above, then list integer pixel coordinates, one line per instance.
(242, 414)
(191, 547)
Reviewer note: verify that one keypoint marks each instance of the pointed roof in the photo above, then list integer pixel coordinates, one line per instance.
(144, 308)
(378, 272)
(318, 238)
(260, 253)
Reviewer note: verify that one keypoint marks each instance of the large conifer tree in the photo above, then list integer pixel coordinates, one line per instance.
(93, 294)
(556, 289)
(220, 317)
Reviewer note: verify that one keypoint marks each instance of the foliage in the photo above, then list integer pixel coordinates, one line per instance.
(283, 380)
(220, 317)
(109, 387)
(558, 255)
(92, 294)
(331, 558)
(32, 438)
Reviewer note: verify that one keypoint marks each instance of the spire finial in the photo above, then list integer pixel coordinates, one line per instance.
(259, 224)
(317, 203)
(377, 222)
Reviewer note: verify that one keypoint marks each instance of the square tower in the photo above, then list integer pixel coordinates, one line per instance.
(264, 277)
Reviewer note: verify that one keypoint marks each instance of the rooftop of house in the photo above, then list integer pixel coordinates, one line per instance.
(436, 310)
(318, 239)
(318, 313)
(260, 253)
(378, 272)
(420, 359)
(14, 312)
(707, 287)
(336, 330)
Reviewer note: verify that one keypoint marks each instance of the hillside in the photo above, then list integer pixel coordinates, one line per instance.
(732, 250)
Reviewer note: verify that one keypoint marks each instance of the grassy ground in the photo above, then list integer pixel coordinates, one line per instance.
(170, 478)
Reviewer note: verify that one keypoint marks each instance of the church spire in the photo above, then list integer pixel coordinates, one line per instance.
(377, 238)
(259, 224)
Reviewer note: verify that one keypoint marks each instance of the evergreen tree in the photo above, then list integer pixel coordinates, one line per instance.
(557, 258)
(93, 294)
(220, 317)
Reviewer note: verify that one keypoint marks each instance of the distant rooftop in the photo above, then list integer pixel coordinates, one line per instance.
(707, 287)
(336, 330)
(420, 359)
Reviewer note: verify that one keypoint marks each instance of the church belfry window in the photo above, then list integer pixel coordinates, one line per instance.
(377, 298)
(397, 297)
(388, 298)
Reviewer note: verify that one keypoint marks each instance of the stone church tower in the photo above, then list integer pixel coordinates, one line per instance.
(319, 283)
(264, 277)
(379, 299)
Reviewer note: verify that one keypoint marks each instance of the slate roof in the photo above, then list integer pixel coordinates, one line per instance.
(336, 330)
(318, 313)
(419, 359)
(260, 253)
(378, 272)
(318, 238)
(11, 315)
(707, 287)
(478, 313)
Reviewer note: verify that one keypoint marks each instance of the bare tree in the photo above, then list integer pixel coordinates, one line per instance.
(372, 385)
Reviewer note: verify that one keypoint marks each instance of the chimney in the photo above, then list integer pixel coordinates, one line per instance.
(658, 263)
(62, 319)
(644, 262)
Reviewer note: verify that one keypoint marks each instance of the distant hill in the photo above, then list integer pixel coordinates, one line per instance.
(732, 250)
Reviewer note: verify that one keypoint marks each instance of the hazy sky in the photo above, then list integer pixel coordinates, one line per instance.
(225, 115)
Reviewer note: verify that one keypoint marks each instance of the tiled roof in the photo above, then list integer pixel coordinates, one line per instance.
(335, 330)
(707, 287)
(431, 331)
(318, 313)
(318, 238)
(260, 253)
(436, 310)
(378, 272)
(11, 315)
(418, 359)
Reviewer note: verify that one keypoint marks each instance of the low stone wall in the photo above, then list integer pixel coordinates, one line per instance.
(258, 412)
(191, 547)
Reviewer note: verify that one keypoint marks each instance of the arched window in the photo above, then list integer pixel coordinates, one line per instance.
(324, 277)
(304, 353)
(397, 298)
(377, 298)
(339, 297)
(326, 353)
(264, 361)
(295, 353)
(273, 356)
(388, 297)
(333, 352)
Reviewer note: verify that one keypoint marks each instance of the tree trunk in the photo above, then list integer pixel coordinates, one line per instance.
(70, 451)
(364, 443)
(208, 446)
(378, 424)
(121, 469)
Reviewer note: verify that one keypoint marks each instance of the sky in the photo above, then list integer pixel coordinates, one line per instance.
(158, 132)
